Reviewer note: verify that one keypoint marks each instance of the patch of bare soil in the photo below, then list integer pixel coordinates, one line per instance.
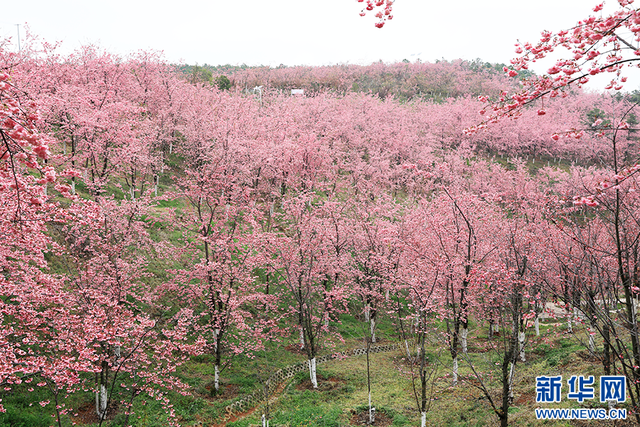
(86, 414)
(324, 384)
(240, 415)
(295, 348)
(361, 418)
(523, 399)
(236, 417)
(226, 392)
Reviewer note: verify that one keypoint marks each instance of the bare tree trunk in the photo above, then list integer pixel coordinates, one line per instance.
(373, 329)
(216, 380)
(512, 372)
(312, 372)
(101, 402)
(156, 181)
(372, 410)
(102, 397)
(455, 371)
(463, 339)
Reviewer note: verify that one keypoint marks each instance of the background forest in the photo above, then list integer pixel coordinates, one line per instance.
(172, 236)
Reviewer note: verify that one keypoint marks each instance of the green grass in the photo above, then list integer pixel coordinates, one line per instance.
(343, 386)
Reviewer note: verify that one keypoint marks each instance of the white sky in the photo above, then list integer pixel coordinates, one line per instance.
(295, 32)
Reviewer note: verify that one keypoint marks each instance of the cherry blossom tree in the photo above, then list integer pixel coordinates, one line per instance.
(32, 298)
(599, 44)
(613, 203)
(219, 280)
(59, 330)
(108, 250)
(307, 267)
(374, 257)
(416, 305)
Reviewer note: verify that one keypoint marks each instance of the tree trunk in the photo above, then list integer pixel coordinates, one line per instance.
(493, 329)
(463, 340)
(512, 372)
(312, 372)
(503, 412)
(102, 397)
(455, 371)
(373, 329)
(156, 181)
(606, 355)
(101, 402)
(216, 381)
(372, 411)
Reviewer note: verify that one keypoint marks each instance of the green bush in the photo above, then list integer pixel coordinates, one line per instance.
(223, 82)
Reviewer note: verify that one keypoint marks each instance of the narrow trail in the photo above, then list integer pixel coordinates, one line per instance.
(275, 385)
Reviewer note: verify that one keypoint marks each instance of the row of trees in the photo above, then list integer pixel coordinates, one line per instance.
(403, 81)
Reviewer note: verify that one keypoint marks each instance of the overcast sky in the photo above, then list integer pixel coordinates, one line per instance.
(294, 32)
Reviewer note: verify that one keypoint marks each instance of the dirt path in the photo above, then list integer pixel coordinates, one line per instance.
(281, 378)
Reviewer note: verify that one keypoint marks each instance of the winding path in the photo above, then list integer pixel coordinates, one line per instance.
(255, 399)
